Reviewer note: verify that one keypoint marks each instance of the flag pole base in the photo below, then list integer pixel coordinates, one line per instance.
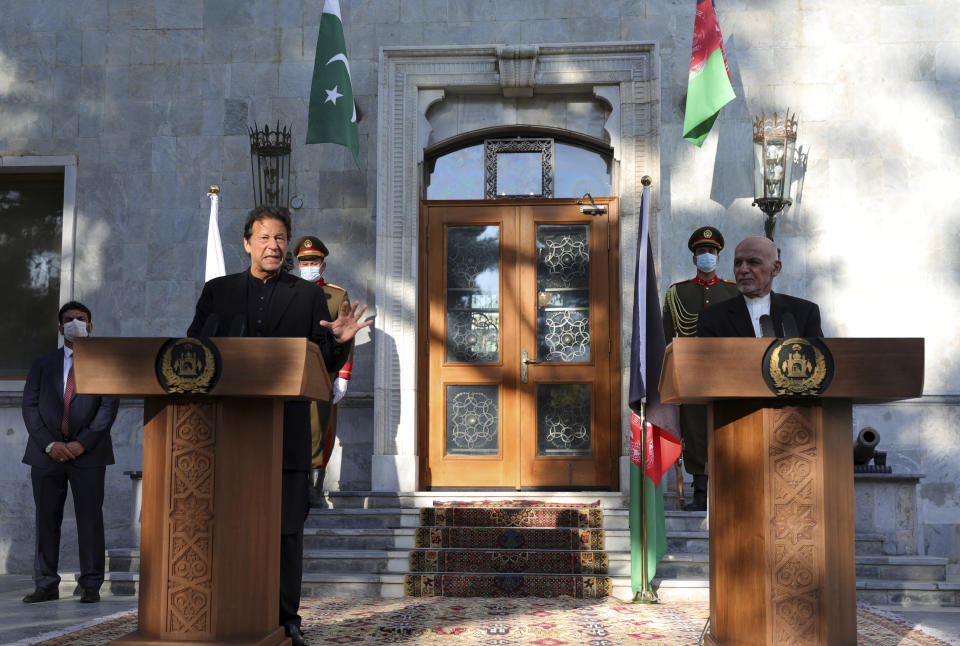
(646, 596)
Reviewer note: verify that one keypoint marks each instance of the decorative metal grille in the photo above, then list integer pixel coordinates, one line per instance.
(473, 294)
(563, 293)
(473, 413)
(494, 147)
(565, 337)
(563, 419)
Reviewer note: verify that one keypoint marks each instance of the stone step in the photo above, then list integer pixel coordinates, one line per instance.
(316, 538)
(121, 584)
(417, 499)
(123, 559)
(346, 561)
(387, 517)
(362, 518)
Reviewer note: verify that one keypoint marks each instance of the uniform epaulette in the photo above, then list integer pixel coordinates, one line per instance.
(335, 287)
(729, 282)
(689, 280)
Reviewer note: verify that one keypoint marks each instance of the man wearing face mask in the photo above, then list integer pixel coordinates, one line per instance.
(312, 257)
(681, 311)
(69, 443)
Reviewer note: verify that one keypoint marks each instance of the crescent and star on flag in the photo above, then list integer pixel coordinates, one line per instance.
(333, 94)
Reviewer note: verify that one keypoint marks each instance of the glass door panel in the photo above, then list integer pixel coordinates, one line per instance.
(563, 292)
(473, 294)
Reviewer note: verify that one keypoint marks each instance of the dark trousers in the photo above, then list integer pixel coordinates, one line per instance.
(693, 431)
(294, 504)
(49, 495)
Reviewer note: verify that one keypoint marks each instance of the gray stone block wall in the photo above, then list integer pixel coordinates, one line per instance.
(154, 98)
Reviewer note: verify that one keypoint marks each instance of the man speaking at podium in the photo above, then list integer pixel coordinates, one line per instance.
(759, 311)
(267, 301)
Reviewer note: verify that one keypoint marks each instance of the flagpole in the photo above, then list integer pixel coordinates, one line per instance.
(645, 595)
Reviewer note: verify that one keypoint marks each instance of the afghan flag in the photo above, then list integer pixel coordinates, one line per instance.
(709, 87)
(333, 114)
(654, 440)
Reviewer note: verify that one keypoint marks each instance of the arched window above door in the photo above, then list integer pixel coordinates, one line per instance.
(516, 167)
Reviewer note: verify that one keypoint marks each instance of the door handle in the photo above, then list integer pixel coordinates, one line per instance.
(525, 360)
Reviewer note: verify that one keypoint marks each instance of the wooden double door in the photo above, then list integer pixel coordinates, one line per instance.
(519, 309)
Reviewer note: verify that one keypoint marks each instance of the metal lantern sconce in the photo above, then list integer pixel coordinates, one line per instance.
(774, 141)
(270, 164)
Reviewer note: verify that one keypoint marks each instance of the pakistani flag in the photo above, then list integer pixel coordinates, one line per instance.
(333, 115)
(709, 87)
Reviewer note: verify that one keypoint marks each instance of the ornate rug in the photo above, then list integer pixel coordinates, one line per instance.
(503, 622)
(509, 548)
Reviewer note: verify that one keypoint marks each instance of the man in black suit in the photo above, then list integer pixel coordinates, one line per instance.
(755, 264)
(69, 443)
(267, 301)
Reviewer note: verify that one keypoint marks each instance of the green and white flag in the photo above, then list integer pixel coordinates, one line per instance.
(333, 114)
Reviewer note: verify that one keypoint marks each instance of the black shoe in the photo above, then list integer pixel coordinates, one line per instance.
(293, 632)
(90, 595)
(43, 594)
(317, 499)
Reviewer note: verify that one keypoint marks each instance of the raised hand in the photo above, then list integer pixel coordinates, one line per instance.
(348, 322)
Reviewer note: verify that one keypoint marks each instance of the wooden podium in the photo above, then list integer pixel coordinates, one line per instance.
(210, 529)
(782, 567)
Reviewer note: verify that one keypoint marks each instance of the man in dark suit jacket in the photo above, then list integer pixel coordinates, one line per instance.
(69, 443)
(267, 301)
(755, 264)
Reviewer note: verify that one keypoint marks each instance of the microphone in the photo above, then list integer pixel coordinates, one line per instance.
(238, 325)
(766, 326)
(790, 330)
(210, 325)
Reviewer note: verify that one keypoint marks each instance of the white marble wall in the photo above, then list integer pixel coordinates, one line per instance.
(154, 97)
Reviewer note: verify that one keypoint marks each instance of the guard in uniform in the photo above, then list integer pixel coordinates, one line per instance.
(311, 256)
(681, 309)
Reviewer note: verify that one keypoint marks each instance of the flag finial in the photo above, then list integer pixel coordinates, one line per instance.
(646, 180)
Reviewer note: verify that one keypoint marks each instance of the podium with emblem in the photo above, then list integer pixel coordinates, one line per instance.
(781, 500)
(212, 449)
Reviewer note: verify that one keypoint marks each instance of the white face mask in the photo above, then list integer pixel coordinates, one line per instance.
(310, 272)
(74, 329)
(706, 262)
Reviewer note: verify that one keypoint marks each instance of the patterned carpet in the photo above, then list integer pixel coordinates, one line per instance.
(509, 548)
(505, 622)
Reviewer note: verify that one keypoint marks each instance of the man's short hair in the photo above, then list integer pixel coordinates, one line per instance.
(74, 305)
(263, 212)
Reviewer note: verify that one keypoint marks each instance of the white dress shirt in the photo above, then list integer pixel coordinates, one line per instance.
(757, 308)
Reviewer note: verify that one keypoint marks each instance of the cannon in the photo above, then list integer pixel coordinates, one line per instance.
(865, 445)
(865, 448)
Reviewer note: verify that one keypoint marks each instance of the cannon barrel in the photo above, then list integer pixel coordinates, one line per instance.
(865, 445)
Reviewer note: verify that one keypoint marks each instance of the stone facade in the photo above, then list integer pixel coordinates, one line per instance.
(151, 101)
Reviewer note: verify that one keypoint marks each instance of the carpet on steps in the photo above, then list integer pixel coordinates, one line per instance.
(514, 548)
(546, 562)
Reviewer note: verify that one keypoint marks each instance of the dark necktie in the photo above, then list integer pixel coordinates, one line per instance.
(67, 396)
